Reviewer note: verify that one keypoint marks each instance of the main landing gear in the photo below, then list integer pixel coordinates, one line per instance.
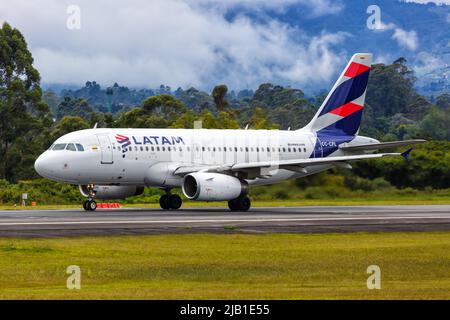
(170, 201)
(90, 204)
(240, 204)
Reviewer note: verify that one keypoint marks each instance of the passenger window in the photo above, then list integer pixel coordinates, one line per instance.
(289, 149)
(59, 146)
(153, 148)
(142, 149)
(79, 147)
(71, 147)
(304, 149)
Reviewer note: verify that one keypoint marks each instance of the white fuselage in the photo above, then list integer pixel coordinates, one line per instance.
(148, 157)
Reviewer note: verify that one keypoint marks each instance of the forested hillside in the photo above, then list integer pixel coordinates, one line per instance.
(394, 109)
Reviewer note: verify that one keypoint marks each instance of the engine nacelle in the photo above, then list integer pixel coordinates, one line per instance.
(213, 186)
(113, 192)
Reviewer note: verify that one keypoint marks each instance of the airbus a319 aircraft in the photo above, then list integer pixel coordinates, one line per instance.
(217, 165)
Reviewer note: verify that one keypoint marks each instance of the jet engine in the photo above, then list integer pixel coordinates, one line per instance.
(213, 186)
(113, 192)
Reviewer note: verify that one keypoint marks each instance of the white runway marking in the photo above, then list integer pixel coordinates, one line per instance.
(217, 220)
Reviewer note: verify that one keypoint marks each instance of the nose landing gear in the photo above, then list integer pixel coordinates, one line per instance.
(90, 204)
(170, 201)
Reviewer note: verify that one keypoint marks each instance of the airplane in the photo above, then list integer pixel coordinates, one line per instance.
(215, 164)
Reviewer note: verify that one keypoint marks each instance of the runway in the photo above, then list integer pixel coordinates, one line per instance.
(57, 223)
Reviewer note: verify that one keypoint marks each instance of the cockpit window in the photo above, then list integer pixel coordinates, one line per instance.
(71, 147)
(80, 147)
(59, 146)
(51, 147)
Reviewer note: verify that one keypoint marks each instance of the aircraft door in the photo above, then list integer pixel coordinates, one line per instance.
(105, 148)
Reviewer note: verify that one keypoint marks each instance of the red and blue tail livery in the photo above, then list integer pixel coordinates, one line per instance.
(339, 117)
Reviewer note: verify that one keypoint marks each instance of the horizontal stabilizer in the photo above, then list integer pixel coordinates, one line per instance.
(379, 146)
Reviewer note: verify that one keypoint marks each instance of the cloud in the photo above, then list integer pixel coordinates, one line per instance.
(178, 43)
(427, 63)
(437, 2)
(406, 39)
(316, 7)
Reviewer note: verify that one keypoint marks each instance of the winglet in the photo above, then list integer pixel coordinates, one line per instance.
(406, 154)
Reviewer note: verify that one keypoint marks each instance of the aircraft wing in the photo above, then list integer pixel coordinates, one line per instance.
(379, 146)
(299, 165)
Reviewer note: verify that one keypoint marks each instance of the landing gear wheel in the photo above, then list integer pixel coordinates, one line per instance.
(89, 205)
(174, 201)
(92, 205)
(244, 203)
(239, 204)
(85, 205)
(233, 205)
(164, 202)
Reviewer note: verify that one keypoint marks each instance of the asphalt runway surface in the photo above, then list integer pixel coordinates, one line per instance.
(57, 223)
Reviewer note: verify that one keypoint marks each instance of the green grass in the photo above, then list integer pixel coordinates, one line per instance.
(229, 266)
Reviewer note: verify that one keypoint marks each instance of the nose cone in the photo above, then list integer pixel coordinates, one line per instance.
(42, 166)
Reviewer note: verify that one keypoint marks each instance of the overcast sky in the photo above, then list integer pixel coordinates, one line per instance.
(144, 43)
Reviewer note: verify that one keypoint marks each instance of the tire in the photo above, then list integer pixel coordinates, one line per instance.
(174, 201)
(92, 205)
(244, 203)
(85, 205)
(233, 205)
(164, 202)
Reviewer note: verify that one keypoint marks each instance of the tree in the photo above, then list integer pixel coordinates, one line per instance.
(226, 120)
(68, 124)
(23, 114)
(163, 105)
(443, 101)
(186, 121)
(219, 94)
(52, 101)
(208, 120)
(74, 107)
(259, 120)
(390, 89)
(435, 124)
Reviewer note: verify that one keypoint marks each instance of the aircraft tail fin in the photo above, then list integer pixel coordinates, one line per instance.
(340, 113)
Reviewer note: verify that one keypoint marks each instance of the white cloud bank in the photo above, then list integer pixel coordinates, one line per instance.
(178, 43)
(437, 2)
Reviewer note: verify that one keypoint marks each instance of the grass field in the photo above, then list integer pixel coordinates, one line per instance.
(272, 266)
